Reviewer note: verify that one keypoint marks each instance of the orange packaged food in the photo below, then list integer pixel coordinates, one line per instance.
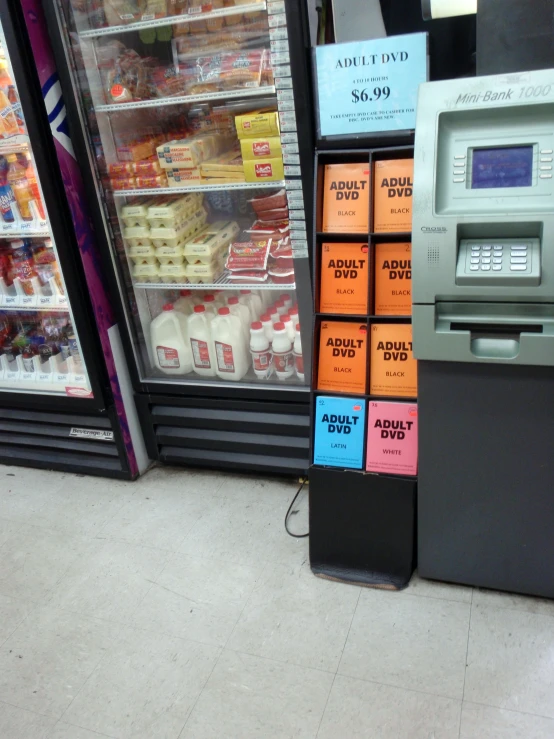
(344, 279)
(393, 369)
(393, 279)
(342, 357)
(120, 169)
(346, 198)
(393, 186)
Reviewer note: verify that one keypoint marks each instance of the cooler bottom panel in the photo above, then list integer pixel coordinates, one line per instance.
(238, 434)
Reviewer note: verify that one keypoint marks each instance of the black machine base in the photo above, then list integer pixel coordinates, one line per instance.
(233, 434)
(81, 442)
(486, 476)
(362, 527)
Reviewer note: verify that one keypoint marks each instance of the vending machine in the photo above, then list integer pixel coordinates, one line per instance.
(194, 126)
(61, 404)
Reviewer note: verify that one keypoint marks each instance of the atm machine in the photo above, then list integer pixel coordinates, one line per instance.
(483, 330)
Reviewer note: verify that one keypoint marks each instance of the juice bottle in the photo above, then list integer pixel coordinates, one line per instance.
(9, 122)
(29, 352)
(23, 265)
(6, 193)
(16, 107)
(33, 184)
(20, 186)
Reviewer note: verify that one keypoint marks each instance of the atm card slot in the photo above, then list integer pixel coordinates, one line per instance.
(497, 328)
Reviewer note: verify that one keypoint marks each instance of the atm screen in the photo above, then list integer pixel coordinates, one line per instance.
(502, 167)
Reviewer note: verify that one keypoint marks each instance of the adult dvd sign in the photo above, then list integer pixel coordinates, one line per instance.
(339, 432)
(370, 86)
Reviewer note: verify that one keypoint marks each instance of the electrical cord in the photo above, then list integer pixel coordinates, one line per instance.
(289, 532)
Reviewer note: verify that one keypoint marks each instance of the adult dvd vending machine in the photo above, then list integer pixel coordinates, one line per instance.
(194, 122)
(61, 405)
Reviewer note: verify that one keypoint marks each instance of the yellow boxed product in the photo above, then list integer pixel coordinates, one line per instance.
(222, 178)
(265, 170)
(257, 124)
(207, 272)
(261, 148)
(208, 242)
(143, 254)
(230, 162)
(146, 272)
(135, 215)
(187, 153)
(172, 273)
(180, 177)
(172, 210)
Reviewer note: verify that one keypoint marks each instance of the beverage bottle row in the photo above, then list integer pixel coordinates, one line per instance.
(46, 336)
(223, 335)
(26, 260)
(19, 191)
(11, 113)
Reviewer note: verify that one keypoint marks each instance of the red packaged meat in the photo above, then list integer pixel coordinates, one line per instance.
(248, 255)
(269, 202)
(276, 214)
(247, 277)
(281, 275)
(277, 227)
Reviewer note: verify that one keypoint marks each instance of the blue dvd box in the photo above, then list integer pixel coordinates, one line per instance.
(339, 432)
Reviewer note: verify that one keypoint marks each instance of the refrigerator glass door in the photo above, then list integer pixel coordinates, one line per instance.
(190, 155)
(40, 351)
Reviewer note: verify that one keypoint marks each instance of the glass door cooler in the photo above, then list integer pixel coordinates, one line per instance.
(196, 131)
(56, 409)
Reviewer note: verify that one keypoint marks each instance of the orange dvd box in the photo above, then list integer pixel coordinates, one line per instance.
(344, 279)
(393, 279)
(346, 198)
(393, 369)
(393, 185)
(342, 357)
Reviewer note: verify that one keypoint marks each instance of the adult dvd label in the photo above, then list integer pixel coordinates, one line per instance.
(339, 432)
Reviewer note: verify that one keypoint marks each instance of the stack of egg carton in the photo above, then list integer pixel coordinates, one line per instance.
(156, 232)
(206, 252)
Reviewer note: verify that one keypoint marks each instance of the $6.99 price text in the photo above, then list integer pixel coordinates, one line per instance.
(368, 96)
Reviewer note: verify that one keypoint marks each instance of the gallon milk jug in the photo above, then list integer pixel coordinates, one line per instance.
(262, 360)
(267, 324)
(210, 305)
(184, 304)
(243, 314)
(201, 342)
(253, 302)
(230, 353)
(297, 351)
(282, 352)
(170, 346)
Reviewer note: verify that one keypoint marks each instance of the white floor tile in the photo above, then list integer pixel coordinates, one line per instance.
(358, 710)
(515, 602)
(248, 697)
(436, 589)
(144, 688)
(63, 730)
(511, 660)
(110, 580)
(408, 641)
(33, 559)
(483, 722)
(295, 617)
(8, 528)
(25, 490)
(197, 598)
(12, 613)
(17, 723)
(46, 661)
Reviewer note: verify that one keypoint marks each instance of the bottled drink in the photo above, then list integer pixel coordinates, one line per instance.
(23, 265)
(6, 193)
(293, 313)
(31, 176)
(27, 355)
(298, 358)
(74, 352)
(16, 107)
(243, 314)
(7, 118)
(286, 320)
(267, 324)
(287, 301)
(230, 352)
(20, 186)
(253, 302)
(282, 352)
(201, 342)
(260, 350)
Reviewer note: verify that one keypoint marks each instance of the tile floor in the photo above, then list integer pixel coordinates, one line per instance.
(177, 607)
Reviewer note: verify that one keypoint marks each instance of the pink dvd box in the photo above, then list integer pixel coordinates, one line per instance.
(392, 438)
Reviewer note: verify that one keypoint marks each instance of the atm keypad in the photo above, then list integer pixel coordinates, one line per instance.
(498, 262)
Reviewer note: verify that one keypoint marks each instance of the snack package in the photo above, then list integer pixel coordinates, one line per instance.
(257, 124)
(180, 177)
(120, 169)
(146, 167)
(261, 148)
(123, 183)
(247, 276)
(264, 170)
(135, 152)
(269, 202)
(230, 163)
(248, 255)
(151, 181)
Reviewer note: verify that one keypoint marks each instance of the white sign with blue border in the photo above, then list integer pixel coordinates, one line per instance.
(370, 86)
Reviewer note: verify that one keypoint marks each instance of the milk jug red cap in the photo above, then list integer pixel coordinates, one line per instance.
(285, 318)
(245, 292)
(168, 306)
(265, 317)
(224, 311)
(199, 309)
(256, 326)
(209, 298)
(233, 301)
(186, 293)
(279, 326)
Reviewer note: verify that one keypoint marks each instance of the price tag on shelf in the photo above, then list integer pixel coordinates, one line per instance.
(294, 185)
(60, 378)
(282, 71)
(28, 301)
(283, 95)
(292, 170)
(286, 105)
(280, 57)
(13, 376)
(298, 234)
(28, 377)
(44, 377)
(11, 300)
(290, 159)
(279, 44)
(282, 83)
(289, 138)
(295, 199)
(278, 34)
(62, 301)
(291, 148)
(8, 228)
(369, 86)
(46, 301)
(299, 249)
(276, 6)
(275, 21)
